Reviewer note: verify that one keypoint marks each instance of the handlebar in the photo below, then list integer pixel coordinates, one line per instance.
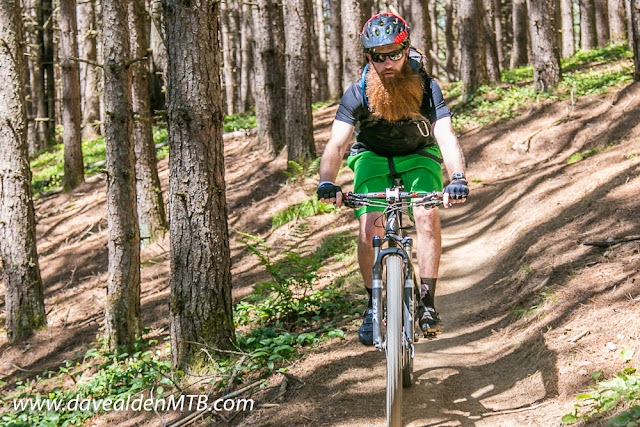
(391, 196)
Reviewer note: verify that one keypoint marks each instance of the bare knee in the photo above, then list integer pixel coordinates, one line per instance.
(427, 220)
(368, 228)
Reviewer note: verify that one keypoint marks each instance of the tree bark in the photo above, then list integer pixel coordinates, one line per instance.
(200, 301)
(122, 316)
(33, 31)
(335, 50)
(270, 79)
(449, 41)
(545, 53)
(568, 40)
(319, 79)
(158, 71)
(616, 20)
(490, 45)
(71, 113)
(47, 63)
(630, 35)
(497, 23)
(246, 39)
(472, 59)
(298, 116)
(635, 24)
(229, 47)
(421, 27)
(89, 74)
(435, 47)
(24, 300)
(602, 22)
(150, 206)
(588, 39)
(352, 57)
(519, 55)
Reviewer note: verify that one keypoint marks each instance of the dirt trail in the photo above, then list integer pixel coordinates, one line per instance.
(516, 282)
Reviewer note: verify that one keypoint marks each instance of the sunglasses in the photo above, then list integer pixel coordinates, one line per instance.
(381, 57)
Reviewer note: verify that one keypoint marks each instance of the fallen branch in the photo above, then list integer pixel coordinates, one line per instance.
(197, 415)
(235, 372)
(580, 335)
(611, 241)
(513, 411)
(528, 139)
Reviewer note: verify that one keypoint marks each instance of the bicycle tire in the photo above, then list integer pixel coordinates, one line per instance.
(407, 360)
(394, 340)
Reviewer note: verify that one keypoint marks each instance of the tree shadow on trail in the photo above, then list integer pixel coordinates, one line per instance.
(463, 393)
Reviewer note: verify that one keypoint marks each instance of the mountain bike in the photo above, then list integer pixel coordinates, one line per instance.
(394, 328)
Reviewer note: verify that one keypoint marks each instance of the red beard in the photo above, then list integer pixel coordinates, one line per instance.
(395, 98)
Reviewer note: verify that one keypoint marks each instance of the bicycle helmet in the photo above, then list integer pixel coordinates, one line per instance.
(384, 28)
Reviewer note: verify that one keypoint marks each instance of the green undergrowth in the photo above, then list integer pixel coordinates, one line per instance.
(47, 166)
(581, 155)
(608, 395)
(240, 121)
(301, 210)
(586, 73)
(96, 375)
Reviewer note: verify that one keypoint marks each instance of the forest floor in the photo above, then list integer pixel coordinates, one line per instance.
(530, 311)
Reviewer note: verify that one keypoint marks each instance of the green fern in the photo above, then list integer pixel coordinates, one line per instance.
(305, 209)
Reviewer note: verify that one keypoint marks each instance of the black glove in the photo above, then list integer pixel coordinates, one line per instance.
(457, 189)
(327, 190)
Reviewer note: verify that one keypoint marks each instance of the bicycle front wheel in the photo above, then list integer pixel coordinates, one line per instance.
(394, 340)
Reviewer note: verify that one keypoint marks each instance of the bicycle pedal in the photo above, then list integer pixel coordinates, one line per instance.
(431, 334)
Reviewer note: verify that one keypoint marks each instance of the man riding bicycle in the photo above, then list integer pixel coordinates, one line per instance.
(404, 131)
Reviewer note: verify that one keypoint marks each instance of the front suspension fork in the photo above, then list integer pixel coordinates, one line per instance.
(376, 291)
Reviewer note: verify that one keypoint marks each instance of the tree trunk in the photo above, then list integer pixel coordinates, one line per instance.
(635, 24)
(519, 50)
(449, 41)
(568, 40)
(270, 75)
(352, 57)
(151, 218)
(435, 48)
(24, 301)
(545, 52)
(246, 65)
(472, 60)
(627, 5)
(616, 20)
(588, 39)
(229, 47)
(200, 301)
(71, 115)
(158, 71)
(298, 117)
(122, 316)
(47, 63)
(421, 28)
(321, 32)
(89, 75)
(497, 24)
(335, 50)
(36, 77)
(318, 62)
(490, 45)
(602, 22)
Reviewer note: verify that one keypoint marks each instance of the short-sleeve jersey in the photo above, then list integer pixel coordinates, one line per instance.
(396, 138)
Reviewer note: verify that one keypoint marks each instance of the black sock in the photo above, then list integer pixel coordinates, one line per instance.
(428, 291)
(370, 291)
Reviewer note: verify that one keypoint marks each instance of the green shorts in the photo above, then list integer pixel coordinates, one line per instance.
(419, 174)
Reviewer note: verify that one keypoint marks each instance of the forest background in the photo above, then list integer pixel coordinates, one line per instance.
(96, 91)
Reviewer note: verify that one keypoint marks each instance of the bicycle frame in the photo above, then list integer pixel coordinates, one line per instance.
(392, 235)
